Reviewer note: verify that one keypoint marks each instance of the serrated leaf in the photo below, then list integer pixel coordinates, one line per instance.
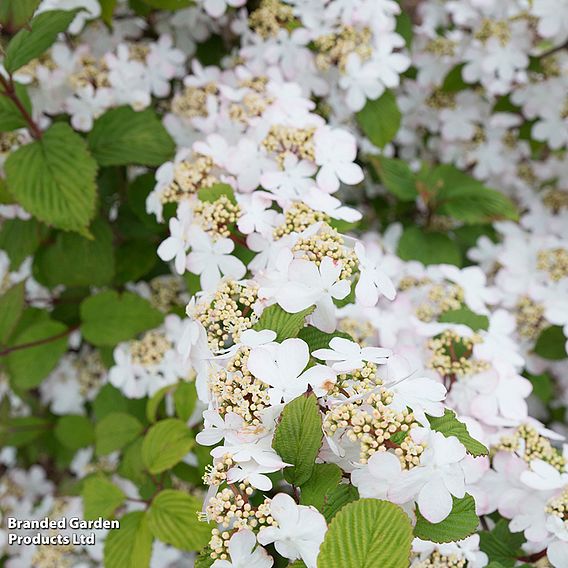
(74, 432)
(31, 42)
(20, 431)
(213, 193)
(298, 438)
(131, 465)
(155, 400)
(15, 13)
(30, 365)
(501, 545)
(109, 318)
(459, 524)
(285, 325)
(114, 431)
(380, 119)
(449, 425)
(11, 308)
(466, 317)
(73, 260)
(428, 248)
(317, 339)
(325, 477)
(100, 498)
(131, 545)
(54, 179)
(337, 498)
(396, 176)
(20, 239)
(367, 533)
(172, 518)
(166, 444)
(551, 344)
(10, 116)
(134, 259)
(185, 397)
(122, 136)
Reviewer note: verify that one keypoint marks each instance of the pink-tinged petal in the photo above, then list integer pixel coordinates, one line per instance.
(350, 174)
(327, 180)
(295, 297)
(168, 249)
(232, 266)
(365, 291)
(324, 316)
(329, 271)
(454, 480)
(292, 357)
(262, 365)
(320, 378)
(558, 554)
(434, 501)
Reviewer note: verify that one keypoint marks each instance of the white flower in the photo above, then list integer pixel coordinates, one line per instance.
(374, 479)
(335, 154)
(309, 285)
(438, 477)
(348, 355)
(243, 553)
(212, 259)
(292, 181)
(300, 530)
(361, 81)
(282, 367)
(216, 8)
(373, 281)
(177, 244)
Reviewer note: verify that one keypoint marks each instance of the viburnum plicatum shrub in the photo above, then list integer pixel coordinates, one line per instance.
(285, 282)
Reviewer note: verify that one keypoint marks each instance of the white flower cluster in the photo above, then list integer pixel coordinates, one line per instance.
(256, 199)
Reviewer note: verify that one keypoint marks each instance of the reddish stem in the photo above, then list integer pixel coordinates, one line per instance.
(10, 92)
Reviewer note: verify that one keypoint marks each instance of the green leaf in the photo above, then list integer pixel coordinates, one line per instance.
(28, 366)
(134, 259)
(114, 431)
(317, 339)
(284, 324)
(449, 425)
(213, 193)
(551, 344)
(20, 239)
(185, 397)
(20, 431)
(131, 545)
(543, 386)
(123, 136)
(73, 260)
(428, 248)
(467, 199)
(396, 176)
(172, 518)
(298, 438)
(31, 42)
(454, 82)
(54, 179)
(107, 10)
(404, 27)
(10, 116)
(100, 498)
(131, 465)
(501, 545)
(459, 524)
(74, 432)
(155, 400)
(367, 533)
(109, 318)
(15, 13)
(466, 317)
(325, 477)
(380, 119)
(337, 498)
(169, 4)
(108, 400)
(166, 444)
(11, 308)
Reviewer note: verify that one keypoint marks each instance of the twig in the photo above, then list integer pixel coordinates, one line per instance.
(38, 342)
(10, 92)
(554, 50)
